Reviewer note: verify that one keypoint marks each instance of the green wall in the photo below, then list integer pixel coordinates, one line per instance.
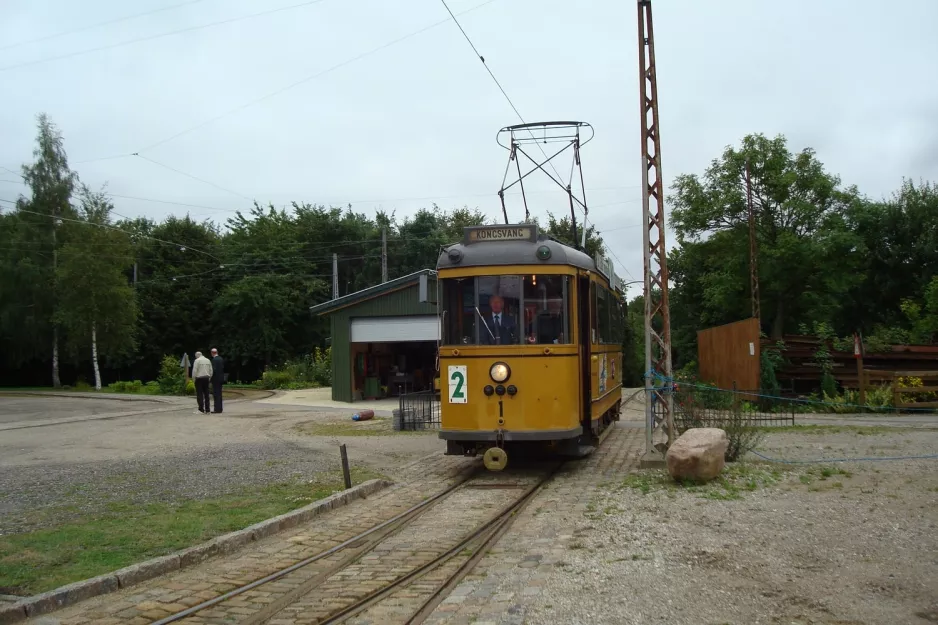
(396, 303)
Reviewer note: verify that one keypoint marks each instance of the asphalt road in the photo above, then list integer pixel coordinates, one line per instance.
(33, 409)
(61, 456)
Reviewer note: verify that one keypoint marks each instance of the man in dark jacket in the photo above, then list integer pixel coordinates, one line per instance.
(218, 378)
(498, 328)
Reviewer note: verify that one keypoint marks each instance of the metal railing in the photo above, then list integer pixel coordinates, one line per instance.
(418, 411)
(698, 406)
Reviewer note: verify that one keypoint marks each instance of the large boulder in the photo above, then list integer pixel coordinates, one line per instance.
(697, 454)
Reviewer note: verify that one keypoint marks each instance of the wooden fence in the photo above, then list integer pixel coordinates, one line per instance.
(730, 354)
(900, 394)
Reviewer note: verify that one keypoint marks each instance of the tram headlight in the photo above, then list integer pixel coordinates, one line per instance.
(499, 372)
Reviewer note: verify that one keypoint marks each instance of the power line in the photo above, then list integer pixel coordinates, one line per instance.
(99, 24)
(202, 180)
(158, 36)
(301, 81)
(499, 85)
(147, 199)
(356, 201)
(102, 158)
(607, 230)
(621, 264)
(182, 246)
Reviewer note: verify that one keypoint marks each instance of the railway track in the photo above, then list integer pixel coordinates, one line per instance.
(397, 571)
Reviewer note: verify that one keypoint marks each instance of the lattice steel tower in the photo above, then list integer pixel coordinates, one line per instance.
(659, 402)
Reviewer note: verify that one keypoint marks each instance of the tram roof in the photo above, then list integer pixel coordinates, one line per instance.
(513, 244)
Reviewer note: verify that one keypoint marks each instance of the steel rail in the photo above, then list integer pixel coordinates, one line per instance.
(401, 518)
(487, 532)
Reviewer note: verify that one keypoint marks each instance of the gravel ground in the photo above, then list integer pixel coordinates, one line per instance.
(41, 496)
(55, 473)
(845, 544)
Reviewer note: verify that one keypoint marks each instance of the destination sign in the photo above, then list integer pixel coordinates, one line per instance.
(485, 234)
(604, 266)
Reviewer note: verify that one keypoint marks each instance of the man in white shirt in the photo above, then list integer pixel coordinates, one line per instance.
(202, 375)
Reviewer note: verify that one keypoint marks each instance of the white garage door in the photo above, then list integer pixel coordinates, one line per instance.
(391, 329)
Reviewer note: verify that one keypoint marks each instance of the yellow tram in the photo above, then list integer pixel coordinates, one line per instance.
(531, 344)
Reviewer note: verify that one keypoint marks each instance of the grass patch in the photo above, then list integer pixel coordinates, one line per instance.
(817, 478)
(125, 533)
(818, 430)
(378, 426)
(736, 478)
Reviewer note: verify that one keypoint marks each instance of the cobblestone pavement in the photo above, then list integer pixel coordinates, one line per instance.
(532, 545)
(515, 570)
(431, 535)
(158, 598)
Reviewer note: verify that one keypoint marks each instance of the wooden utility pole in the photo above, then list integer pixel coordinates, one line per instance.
(753, 269)
(384, 254)
(56, 381)
(861, 379)
(335, 276)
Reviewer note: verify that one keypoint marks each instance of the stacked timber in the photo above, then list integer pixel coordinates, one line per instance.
(802, 371)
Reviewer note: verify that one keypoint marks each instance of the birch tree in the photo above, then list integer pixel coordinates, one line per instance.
(51, 183)
(97, 304)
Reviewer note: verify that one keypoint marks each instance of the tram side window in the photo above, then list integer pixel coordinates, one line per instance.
(617, 321)
(546, 318)
(604, 304)
(459, 315)
(594, 313)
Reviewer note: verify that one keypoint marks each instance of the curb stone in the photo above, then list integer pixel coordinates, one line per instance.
(12, 613)
(142, 571)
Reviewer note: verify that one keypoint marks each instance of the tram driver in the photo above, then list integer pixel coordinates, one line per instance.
(500, 328)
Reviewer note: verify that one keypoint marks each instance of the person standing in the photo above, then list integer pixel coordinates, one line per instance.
(202, 374)
(218, 378)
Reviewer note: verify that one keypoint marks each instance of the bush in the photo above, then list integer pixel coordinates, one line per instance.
(274, 379)
(126, 387)
(741, 434)
(190, 387)
(876, 397)
(692, 411)
(913, 382)
(771, 361)
(312, 371)
(171, 379)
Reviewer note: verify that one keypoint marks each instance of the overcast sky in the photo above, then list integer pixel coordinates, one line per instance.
(416, 120)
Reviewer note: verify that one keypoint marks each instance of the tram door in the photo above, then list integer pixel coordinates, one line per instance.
(585, 338)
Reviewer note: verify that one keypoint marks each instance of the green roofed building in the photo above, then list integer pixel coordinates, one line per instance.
(384, 338)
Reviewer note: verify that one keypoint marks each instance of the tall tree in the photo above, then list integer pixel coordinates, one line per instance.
(800, 224)
(179, 274)
(900, 238)
(97, 306)
(562, 230)
(51, 184)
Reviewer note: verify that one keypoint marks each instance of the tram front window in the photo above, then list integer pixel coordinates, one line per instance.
(505, 310)
(545, 310)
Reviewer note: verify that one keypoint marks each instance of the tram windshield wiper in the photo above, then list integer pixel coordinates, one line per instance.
(485, 324)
